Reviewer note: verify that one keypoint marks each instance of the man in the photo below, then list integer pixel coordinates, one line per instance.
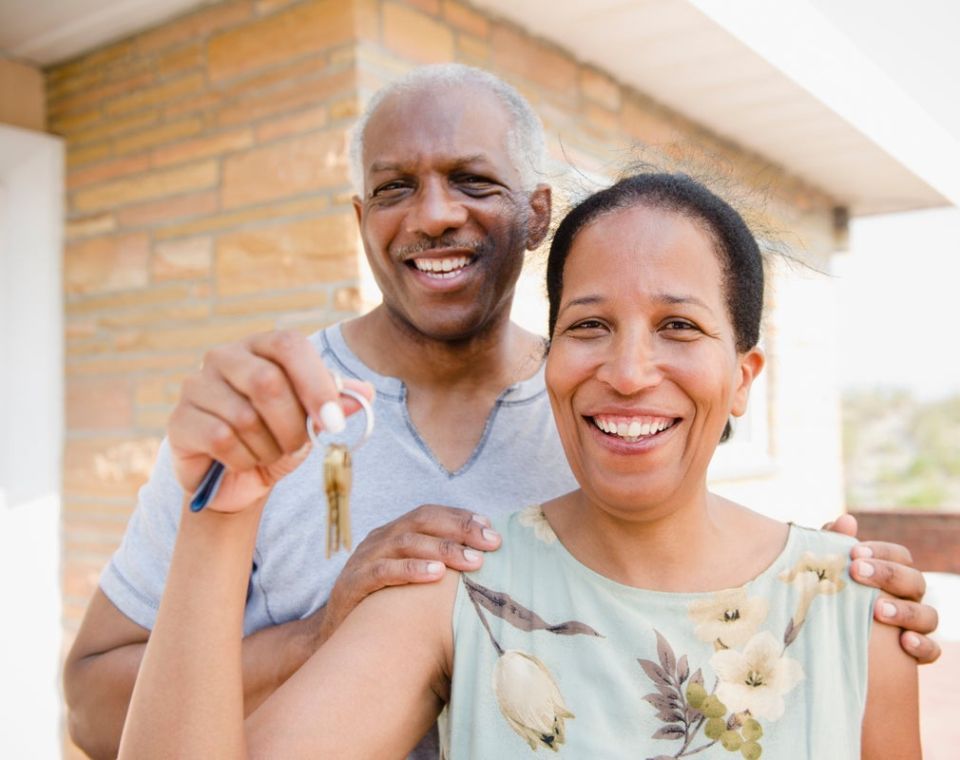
(450, 171)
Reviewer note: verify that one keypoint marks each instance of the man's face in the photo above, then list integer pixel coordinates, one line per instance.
(444, 218)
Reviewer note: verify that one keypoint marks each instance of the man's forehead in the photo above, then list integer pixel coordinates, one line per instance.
(445, 126)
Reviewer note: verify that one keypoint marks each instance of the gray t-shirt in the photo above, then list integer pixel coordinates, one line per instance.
(519, 461)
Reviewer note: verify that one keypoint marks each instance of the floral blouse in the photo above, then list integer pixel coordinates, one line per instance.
(551, 657)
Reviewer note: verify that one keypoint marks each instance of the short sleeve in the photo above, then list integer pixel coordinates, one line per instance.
(135, 577)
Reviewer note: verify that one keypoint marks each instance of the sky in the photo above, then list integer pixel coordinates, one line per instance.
(899, 289)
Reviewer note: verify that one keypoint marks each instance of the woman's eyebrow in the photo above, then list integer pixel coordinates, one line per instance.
(671, 299)
(582, 301)
(666, 298)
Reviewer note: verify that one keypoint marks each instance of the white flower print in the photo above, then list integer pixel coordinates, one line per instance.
(729, 617)
(533, 517)
(756, 678)
(530, 699)
(814, 575)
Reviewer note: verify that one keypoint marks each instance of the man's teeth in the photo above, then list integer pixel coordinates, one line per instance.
(632, 429)
(443, 268)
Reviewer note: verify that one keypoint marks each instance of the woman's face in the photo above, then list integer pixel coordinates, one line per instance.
(643, 369)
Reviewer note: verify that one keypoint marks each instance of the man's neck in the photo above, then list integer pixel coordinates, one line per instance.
(501, 355)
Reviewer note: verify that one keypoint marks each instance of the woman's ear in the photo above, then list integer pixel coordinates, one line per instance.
(750, 365)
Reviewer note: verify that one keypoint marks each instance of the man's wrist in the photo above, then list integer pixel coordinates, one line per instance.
(310, 635)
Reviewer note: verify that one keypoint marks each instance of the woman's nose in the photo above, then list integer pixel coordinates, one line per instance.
(632, 365)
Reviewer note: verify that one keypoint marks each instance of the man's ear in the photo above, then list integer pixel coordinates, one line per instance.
(357, 207)
(750, 365)
(541, 204)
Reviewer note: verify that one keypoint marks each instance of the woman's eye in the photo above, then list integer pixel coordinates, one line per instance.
(586, 324)
(681, 327)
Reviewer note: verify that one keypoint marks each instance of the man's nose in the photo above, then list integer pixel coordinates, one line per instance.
(435, 211)
(632, 365)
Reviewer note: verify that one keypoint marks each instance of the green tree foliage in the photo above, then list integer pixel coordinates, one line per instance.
(900, 452)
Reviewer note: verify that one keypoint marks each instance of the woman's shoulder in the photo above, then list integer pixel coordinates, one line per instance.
(527, 541)
(522, 527)
(818, 562)
(814, 539)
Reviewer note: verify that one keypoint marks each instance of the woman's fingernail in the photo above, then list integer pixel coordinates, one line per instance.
(471, 556)
(912, 640)
(865, 569)
(489, 535)
(860, 551)
(481, 519)
(434, 568)
(888, 610)
(331, 415)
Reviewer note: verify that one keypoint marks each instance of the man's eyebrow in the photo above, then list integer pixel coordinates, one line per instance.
(384, 166)
(393, 166)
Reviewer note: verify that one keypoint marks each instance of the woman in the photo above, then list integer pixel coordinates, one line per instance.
(638, 616)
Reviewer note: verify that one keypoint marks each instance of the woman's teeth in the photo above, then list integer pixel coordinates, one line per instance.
(632, 428)
(441, 268)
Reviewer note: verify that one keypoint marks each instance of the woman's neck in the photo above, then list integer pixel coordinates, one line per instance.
(705, 543)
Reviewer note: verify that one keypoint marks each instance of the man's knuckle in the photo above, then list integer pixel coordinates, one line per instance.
(379, 573)
(422, 515)
(405, 541)
(448, 548)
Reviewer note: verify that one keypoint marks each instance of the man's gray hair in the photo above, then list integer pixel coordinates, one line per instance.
(525, 141)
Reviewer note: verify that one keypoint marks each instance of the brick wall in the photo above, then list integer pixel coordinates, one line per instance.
(208, 199)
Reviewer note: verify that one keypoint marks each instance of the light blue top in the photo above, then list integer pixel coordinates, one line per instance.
(549, 655)
(393, 473)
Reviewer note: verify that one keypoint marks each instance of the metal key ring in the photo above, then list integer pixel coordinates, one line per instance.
(368, 414)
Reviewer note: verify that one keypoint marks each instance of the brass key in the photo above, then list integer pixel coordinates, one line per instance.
(337, 478)
(338, 475)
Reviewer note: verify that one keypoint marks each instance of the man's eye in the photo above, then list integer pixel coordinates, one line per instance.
(475, 182)
(389, 187)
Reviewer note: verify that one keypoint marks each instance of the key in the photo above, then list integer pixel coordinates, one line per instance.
(337, 478)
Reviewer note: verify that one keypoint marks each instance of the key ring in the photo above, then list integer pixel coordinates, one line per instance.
(364, 405)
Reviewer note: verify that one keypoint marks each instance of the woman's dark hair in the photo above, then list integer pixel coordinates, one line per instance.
(740, 258)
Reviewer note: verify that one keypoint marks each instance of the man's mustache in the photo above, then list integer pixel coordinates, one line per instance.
(431, 244)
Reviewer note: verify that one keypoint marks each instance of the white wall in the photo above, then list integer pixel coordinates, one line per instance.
(801, 477)
(31, 439)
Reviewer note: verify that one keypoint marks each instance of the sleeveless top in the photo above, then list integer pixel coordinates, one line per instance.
(550, 655)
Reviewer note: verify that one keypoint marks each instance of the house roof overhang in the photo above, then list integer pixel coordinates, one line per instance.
(778, 79)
